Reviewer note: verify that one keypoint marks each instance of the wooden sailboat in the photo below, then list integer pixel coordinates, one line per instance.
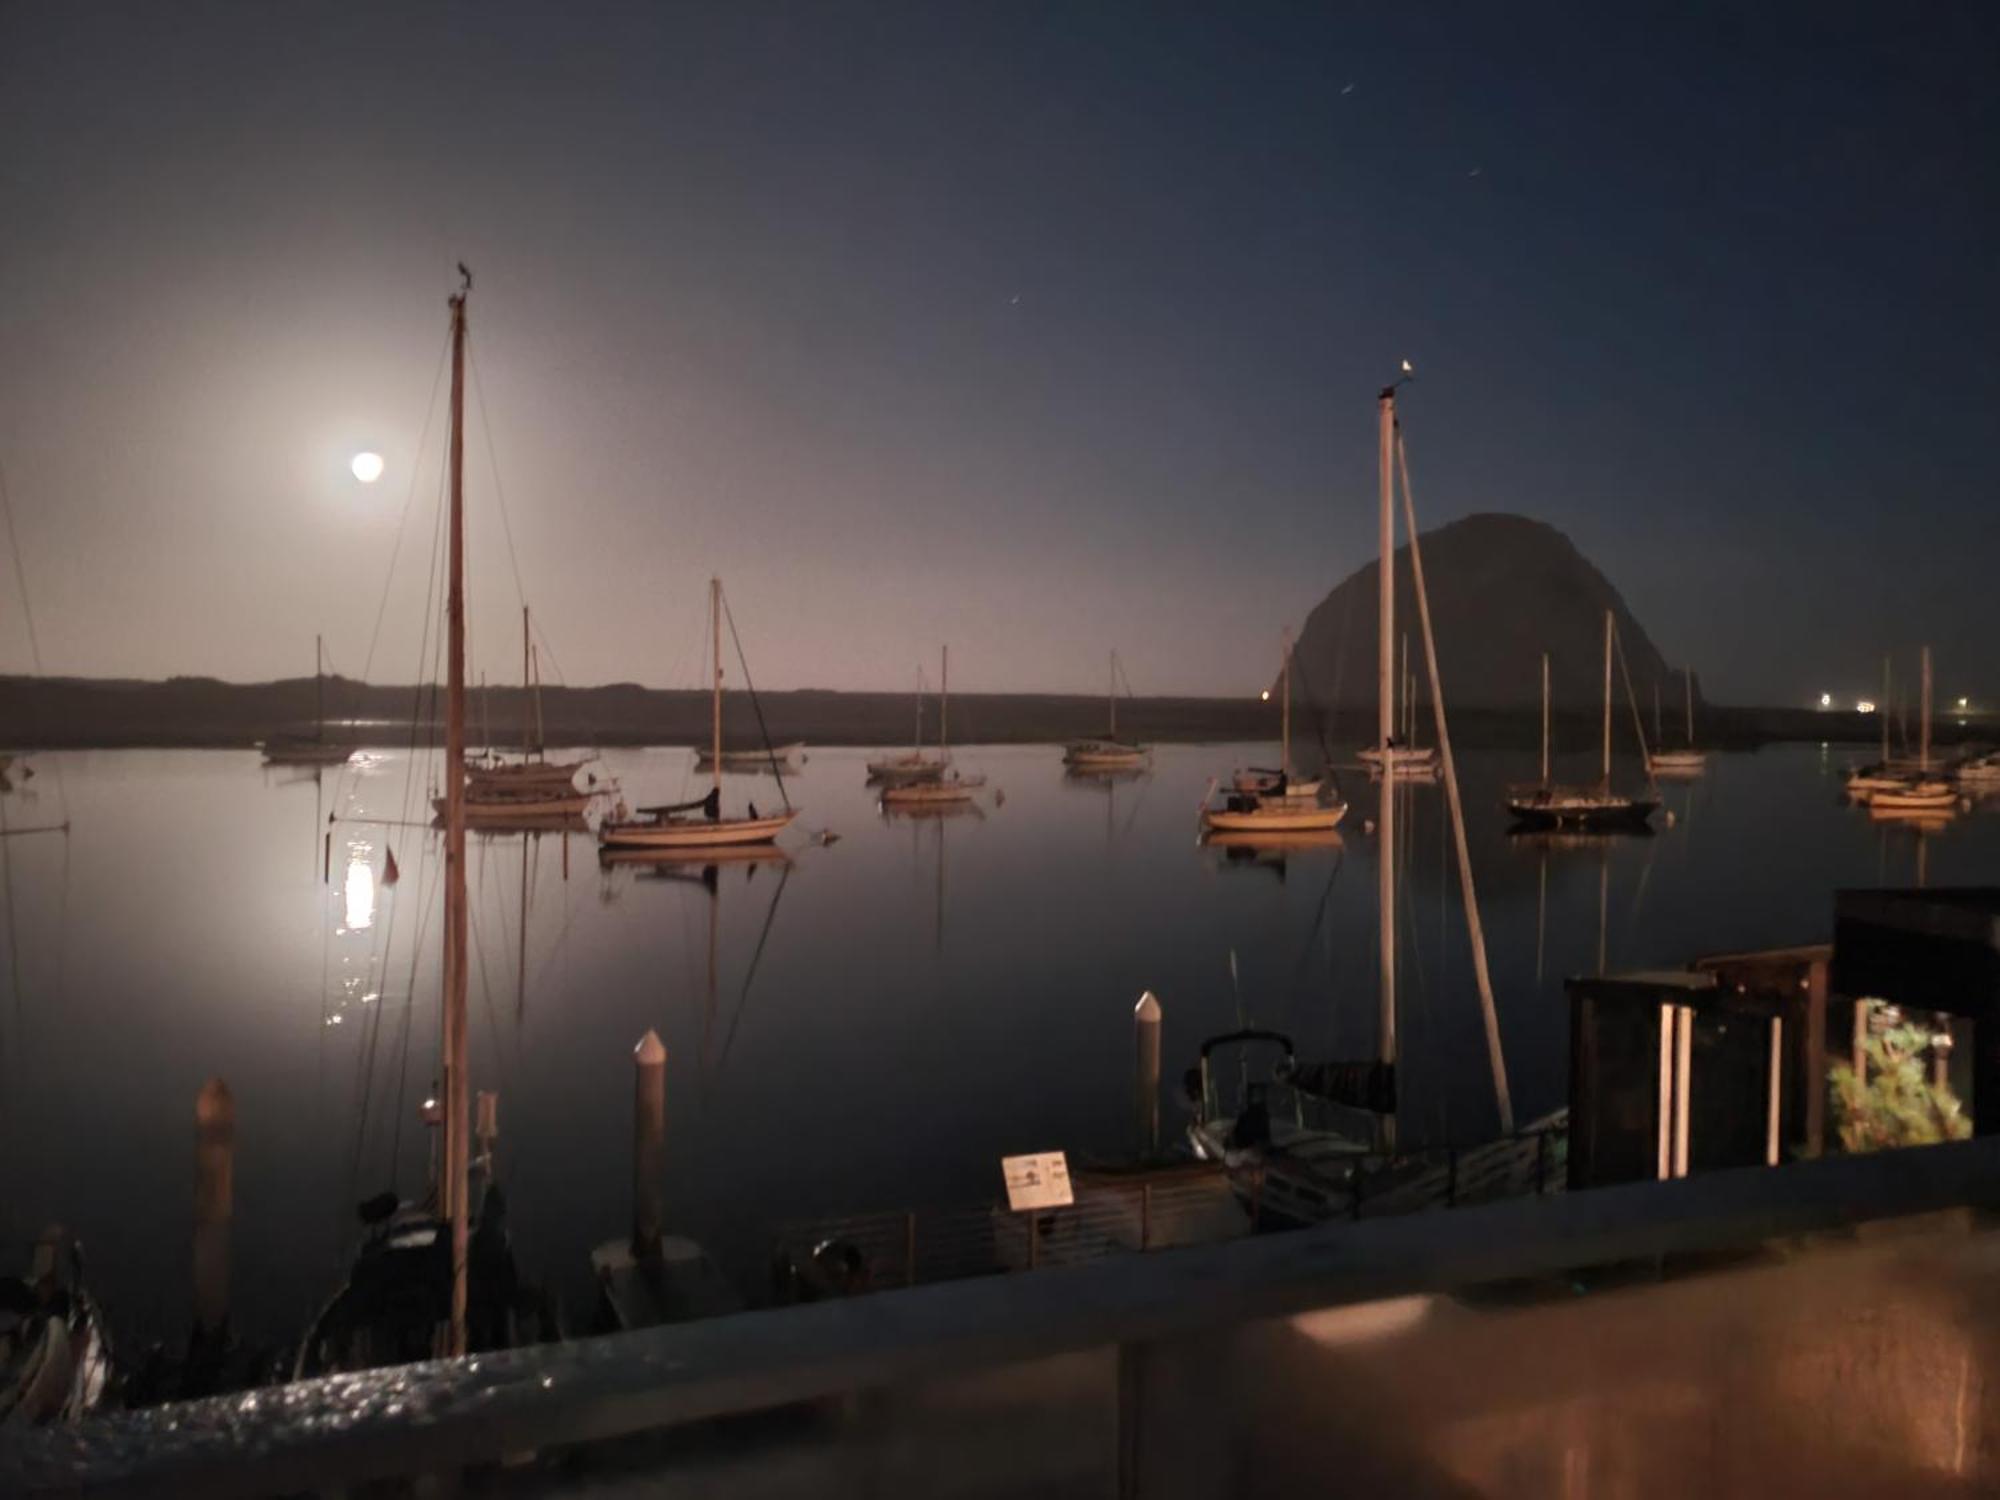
(912, 764)
(1107, 752)
(533, 769)
(1261, 803)
(1924, 792)
(1314, 1141)
(284, 749)
(437, 1276)
(948, 786)
(1685, 762)
(1412, 762)
(699, 824)
(1548, 805)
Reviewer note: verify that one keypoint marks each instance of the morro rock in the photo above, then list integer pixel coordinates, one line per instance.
(1503, 589)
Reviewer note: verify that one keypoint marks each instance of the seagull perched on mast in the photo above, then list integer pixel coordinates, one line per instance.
(466, 275)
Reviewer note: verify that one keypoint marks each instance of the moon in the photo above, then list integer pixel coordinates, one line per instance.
(367, 467)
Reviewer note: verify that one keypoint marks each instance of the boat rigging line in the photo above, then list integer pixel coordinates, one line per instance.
(756, 705)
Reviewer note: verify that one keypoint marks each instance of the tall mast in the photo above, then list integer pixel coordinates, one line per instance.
(1883, 708)
(1924, 726)
(319, 684)
(535, 676)
(944, 703)
(715, 725)
(1385, 724)
(1112, 696)
(457, 1097)
(1285, 714)
(1545, 718)
(917, 742)
(1687, 687)
(527, 690)
(1607, 697)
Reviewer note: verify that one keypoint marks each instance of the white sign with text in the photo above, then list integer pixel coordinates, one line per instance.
(1039, 1181)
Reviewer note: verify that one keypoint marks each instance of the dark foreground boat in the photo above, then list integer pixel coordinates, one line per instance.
(55, 1360)
(398, 1292)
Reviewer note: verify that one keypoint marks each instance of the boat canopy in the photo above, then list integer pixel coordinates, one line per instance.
(1369, 1085)
(709, 806)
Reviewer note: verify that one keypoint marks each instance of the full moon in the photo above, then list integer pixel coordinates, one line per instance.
(367, 467)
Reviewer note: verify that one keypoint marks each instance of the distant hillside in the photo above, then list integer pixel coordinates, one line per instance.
(1503, 589)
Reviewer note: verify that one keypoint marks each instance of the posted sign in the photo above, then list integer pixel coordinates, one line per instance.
(1035, 1182)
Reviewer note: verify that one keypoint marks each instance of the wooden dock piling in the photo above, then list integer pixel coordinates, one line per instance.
(214, 1203)
(1146, 1081)
(649, 1146)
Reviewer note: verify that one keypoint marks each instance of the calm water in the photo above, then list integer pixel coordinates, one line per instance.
(888, 1016)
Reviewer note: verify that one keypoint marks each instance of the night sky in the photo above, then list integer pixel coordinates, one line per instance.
(1038, 329)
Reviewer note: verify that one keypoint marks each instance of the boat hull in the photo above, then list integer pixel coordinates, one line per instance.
(1587, 810)
(929, 793)
(1274, 820)
(1679, 762)
(307, 755)
(486, 812)
(1104, 755)
(693, 833)
(786, 757)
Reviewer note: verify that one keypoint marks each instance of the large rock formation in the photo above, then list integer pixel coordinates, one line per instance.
(1503, 589)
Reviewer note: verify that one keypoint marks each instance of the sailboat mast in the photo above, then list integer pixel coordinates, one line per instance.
(1607, 697)
(1924, 726)
(1385, 724)
(1112, 696)
(715, 714)
(457, 1097)
(319, 684)
(527, 691)
(944, 702)
(1883, 709)
(1545, 718)
(1687, 687)
(1285, 713)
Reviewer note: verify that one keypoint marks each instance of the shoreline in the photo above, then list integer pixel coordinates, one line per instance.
(193, 713)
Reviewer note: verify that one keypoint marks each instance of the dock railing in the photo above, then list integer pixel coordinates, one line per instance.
(439, 1417)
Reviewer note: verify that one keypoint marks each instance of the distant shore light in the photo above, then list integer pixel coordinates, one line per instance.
(1826, 700)
(1265, 697)
(367, 467)
(1963, 704)
(1864, 705)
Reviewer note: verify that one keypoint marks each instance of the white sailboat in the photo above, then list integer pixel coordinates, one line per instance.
(1548, 805)
(947, 787)
(1688, 762)
(1107, 752)
(1260, 802)
(699, 824)
(282, 749)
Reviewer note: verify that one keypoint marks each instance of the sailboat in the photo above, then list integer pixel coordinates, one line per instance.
(1687, 762)
(493, 772)
(912, 764)
(699, 824)
(1313, 1141)
(1260, 802)
(437, 1275)
(1411, 761)
(55, 1357)
(1107, 752)
(529, 793)
(948, 786)
(287, 749)
(1924, 791)
(1548, 805)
